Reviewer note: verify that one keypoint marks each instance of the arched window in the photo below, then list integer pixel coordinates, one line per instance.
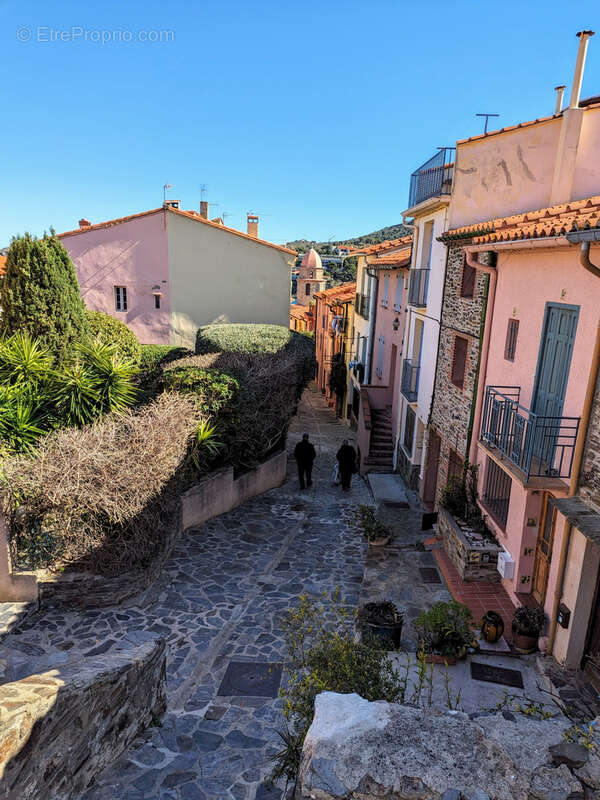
(307, 289)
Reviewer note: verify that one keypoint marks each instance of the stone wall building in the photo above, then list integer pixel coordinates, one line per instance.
(449, 431)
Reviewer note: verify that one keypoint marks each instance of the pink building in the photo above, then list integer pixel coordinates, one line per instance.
(380, 403)
(166, 272)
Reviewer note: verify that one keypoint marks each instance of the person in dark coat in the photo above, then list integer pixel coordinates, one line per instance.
(305, 454)
(346, 457)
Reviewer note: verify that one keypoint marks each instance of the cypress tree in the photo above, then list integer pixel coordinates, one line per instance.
(40, 294)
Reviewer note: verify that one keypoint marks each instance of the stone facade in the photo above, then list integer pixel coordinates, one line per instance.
(60, 728)
(475, 558)
(589, 486)
(451, 407)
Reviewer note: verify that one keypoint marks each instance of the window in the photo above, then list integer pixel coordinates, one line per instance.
(496, 495)
(380, 356)
(455, 466)
(120, 298)
(467, 284)
(386, 289)
(409, 430)
(156, 301)
(307, 289)
(512, 332)
(427, 245)
(364, 350)
(399, 288)
(459, 361)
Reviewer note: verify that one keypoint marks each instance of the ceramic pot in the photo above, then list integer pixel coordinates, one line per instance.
(492, 627)
(379, 542)
(385, 633)
(523, 643)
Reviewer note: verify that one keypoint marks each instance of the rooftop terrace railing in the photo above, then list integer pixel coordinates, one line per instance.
(433, 178)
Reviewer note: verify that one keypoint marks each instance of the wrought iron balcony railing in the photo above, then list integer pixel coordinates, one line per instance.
(361, 305)
(433, 178)
(539, 446)
(410, 380)
(417, 288)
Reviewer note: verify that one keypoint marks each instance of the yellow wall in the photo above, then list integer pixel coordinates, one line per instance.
(217, 277)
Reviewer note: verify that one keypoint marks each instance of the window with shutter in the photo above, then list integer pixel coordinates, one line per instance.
(398, 298)
(467, 284)
(386, 289)
(307, 288)
(380, 356)
(120, 298)
(409, 430)
(459, 361)
(510, 346)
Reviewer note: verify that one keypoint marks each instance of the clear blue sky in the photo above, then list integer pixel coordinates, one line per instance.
(311, 113)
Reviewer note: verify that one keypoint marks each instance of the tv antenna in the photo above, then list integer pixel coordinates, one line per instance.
(259, 214)
(166, 187)
(487, 116)
(203, 190)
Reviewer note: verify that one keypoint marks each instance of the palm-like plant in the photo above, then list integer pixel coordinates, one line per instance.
(24, 360)
(75, 394)
(22, 420)
(205, 447)
(111, 376)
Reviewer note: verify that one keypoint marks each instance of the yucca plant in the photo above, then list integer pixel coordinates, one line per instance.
(24, 360)
(22, 420)
(75, 395)
(112, 377)
(205, 447)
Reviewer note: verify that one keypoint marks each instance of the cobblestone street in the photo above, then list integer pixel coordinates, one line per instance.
(219, 600)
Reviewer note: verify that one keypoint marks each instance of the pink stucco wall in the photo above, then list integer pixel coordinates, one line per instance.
(527, 280)
(384, 326)
(132, 254)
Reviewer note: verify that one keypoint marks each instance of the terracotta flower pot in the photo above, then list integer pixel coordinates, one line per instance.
(492, 627)
(379, 542)
(385, 633)
(524, 643)
(435, 658)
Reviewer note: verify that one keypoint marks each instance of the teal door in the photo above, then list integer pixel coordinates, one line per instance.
(554, 362)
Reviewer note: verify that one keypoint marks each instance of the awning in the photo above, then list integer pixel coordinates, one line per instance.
(581, 515)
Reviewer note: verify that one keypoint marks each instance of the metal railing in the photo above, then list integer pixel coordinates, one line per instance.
(417, 288)
(539, 446)
(361, 305)
(409, 385)
(433, 178)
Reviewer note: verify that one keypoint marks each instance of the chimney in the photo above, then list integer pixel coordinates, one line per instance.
(253, 225)
(560, 90)
(204, 209)
(579, 65)
(84, 223)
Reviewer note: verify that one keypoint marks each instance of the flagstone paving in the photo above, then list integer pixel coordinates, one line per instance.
(219, 600)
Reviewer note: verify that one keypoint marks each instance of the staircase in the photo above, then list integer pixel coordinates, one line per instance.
(381, 447)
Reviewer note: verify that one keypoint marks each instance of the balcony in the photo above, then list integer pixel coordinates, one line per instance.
(410, 380)
(433, 178)
(540, 447)
(361, 305)
(417, 289)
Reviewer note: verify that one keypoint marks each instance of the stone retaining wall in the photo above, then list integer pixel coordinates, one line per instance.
(475, 558)
(60, 728)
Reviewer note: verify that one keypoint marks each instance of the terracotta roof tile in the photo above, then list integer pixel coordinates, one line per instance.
(300, 312)
(189, 214)
(545, 222)
(390, 244)
(395, 259)
(346, 292)
(2, 265)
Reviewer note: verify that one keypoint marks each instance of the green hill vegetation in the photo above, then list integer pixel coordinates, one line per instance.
(327, 248)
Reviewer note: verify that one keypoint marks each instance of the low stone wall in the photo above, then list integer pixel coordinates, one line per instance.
(475, 558)
(221, 492)
(60, 728)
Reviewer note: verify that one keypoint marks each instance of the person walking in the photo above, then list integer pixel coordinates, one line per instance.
(305, 454)
(346, 457)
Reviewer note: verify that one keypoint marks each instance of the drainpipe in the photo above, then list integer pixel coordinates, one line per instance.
(584, 258)
(471, 260)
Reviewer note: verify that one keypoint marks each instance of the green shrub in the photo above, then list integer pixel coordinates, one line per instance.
(212, 389)
(246, 339)
(40, 295)
(155, 355)
(107, 330)
(445, 629)
(23, 420)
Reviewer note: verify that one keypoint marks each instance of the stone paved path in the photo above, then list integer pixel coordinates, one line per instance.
(220, 599)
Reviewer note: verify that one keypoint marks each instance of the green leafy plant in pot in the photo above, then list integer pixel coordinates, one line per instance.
(527, 626)
(383, 621)
(445, 631)
(377, 532)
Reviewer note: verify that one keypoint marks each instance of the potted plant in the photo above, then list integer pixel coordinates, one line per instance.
(527, 625)
(445, 632)
(376, 532)
(383, 621)
(492, 626)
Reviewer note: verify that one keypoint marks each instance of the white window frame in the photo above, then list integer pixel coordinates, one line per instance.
(399, 289)
(121, 298)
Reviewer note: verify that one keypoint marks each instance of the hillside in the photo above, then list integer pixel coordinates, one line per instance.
(324, 248)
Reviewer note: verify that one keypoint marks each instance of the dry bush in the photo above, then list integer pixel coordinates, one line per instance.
(105, 496)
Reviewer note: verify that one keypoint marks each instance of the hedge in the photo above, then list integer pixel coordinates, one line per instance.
(108, 330)
(248, 339)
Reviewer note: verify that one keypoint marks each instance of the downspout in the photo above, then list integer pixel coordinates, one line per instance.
(472, 261)
(584, 258)
(372, 319)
